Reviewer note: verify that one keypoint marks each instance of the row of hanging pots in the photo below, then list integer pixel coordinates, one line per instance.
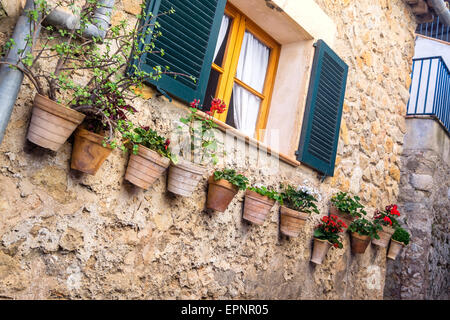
(52, 124)
(256, 207)
(359, 243)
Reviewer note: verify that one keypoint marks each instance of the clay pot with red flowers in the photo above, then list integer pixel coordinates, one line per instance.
(150, 156)
(347, 208)
(362, 232)
(326, 235)
(198, 147)
(223, 185)
(296, 206)
(387, 219)
(399, 239)
(257, 203)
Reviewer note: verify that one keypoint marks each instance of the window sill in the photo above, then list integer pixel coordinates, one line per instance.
(252, 141)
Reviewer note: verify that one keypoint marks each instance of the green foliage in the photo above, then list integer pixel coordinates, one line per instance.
(270, 193)
(202, 142)
(401, 235)
(365, 228)
(106, 92)
(348, 204)
(329, 229)
(232, 177)
(148, 138)
(298, 199)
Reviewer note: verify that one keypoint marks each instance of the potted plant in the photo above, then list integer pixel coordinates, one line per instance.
(197, 150)
(387, 219)
(258, 202)
(346, 207)
(150, 156)
(326, 234)
(297, 204)
(52, 122)
(106, 118)
(222, 187)
(107, 95)
(399, 239)
(362, 231)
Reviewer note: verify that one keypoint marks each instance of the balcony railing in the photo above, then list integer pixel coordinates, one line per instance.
(430, 90)
(435, 29)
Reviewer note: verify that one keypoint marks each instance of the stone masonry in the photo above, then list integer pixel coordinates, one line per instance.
(422, 270)
(67, 235)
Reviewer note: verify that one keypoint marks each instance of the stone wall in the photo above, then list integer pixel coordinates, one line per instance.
(422, 270)
(67, 235)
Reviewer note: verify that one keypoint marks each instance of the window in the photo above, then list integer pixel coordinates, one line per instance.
(243, 72)
(222, 45)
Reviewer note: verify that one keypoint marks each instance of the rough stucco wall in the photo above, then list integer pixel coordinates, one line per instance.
(67, 235)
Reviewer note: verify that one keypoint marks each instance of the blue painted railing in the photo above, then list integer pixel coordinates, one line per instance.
(434, 29)
(430, 89)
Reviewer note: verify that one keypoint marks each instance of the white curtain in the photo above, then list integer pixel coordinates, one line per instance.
(222, 34)
(252, 68)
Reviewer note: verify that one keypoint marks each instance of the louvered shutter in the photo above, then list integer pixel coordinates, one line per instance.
(323, 110)
(189, 37)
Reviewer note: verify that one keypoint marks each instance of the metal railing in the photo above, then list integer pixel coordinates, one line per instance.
(430, 90)
(434, 29)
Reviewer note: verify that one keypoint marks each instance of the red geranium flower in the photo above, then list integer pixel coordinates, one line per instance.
(166, 144)
(195, 103)
(387, 219)
(218, 105)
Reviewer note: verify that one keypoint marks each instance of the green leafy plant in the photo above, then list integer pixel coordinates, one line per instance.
(270, 193)
(54, 44)
(401, 235)
(365, 228)
(348, 204)
(328, 229)
(202, 143)
(299, 199)
(89, 74)
(148, 138)
(388, 217)
(107, 95)
(231, 176)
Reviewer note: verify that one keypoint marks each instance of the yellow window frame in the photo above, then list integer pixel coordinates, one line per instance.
(227, 79)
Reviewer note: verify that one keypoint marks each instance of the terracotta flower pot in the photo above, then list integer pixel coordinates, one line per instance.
(291, 221)
(256, 207)
(347, 218)
(220, 194)
(320, 250)
(385, 235)
(51, 123)
(145, 167)
(359, 242)
(394, 249)
(88, 153)
(184, 177)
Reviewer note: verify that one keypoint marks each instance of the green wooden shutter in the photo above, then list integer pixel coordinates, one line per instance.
(323, 110)
(188, 38)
